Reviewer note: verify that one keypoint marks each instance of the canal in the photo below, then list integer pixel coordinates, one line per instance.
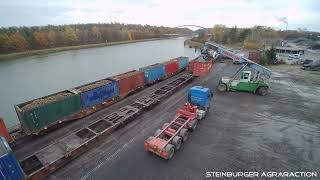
(28, 78)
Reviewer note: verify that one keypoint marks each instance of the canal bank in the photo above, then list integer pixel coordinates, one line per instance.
(67, 48)
(36, 76)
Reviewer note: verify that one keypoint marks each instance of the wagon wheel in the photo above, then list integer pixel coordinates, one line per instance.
(184, 134)
(177, 142)
(170, 150)
(222, 87)
(262, 91)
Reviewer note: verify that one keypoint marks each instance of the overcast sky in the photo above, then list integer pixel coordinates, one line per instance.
(242, 13)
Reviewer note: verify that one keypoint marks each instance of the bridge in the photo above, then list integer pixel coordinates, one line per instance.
(191, 25)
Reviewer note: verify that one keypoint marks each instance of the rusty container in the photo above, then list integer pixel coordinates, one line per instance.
(129, 82)
(201, 68)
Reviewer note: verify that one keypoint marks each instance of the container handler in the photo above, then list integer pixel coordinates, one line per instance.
(170, 137)
(254, 81)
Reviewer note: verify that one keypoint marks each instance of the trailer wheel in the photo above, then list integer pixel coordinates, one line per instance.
(262, 91)
(170, 150)
(222, 87)
(193, 125)
(177, 142)
(184, 134)
(157, 132)
(165, 125)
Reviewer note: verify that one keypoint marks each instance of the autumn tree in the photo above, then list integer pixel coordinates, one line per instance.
(4, 42)
(41, 38)
(218, 32)
(70, 35)
(52, 38)
(17, 42)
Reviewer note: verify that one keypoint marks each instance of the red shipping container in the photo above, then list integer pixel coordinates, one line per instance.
(129, 82)
(171, 67)
(4, 131)
(201, 68)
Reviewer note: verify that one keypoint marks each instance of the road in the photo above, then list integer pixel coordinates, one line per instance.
(243, 132)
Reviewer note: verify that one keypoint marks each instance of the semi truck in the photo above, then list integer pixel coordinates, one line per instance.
(167, 140)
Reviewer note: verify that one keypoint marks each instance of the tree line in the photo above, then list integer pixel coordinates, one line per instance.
(252, 38)
(17, 39)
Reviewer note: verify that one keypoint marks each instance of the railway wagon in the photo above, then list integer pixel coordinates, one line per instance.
(153, 73)
(171, 67)
(97, 92)
(129, 82)
(183, 62)
(42, 113)
(201, 68)
(9, 166)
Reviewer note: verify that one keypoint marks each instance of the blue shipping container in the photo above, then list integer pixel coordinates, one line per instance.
(183, 62)
(9, 166)
(200, 96)
(153, 73)
(98, 95)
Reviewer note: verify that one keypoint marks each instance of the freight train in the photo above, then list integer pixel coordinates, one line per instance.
(43, 114)
(47, 112)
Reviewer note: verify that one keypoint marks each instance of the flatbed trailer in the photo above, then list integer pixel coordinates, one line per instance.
(169, 139)
(48, 159)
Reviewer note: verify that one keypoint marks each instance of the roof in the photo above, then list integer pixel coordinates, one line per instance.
(288, 48)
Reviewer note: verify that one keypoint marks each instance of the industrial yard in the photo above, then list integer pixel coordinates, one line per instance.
(243, 132)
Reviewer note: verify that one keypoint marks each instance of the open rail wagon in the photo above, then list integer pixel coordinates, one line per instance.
(170, 137)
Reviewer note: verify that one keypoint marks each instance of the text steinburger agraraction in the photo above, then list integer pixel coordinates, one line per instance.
(261, 174)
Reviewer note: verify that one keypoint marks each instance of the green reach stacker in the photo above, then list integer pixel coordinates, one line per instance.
(254, 81)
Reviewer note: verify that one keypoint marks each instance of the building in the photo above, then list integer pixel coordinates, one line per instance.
(288, 50)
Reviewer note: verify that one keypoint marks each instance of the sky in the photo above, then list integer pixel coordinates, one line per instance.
(278, 14)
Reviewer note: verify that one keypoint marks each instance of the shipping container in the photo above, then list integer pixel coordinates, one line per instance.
(255, 56)
(9, 166)
(190, 66)
(201, 68)
(153, 73)
(171, 67)
(129, 82)
(44, 112)
(4, 131)
(97, 92)
(183, 62)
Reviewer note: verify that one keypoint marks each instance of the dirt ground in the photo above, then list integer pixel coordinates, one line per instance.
(243, 132)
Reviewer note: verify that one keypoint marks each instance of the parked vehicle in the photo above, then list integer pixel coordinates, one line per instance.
(129, 82)
(153, 73)
(167, 140)
(9, 166)
(39, 114)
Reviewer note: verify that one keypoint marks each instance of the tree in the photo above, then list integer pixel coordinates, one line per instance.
(52, 38)
(41, 39)
(4, 42)
(244, 34)
(17, 42)
(233, 35)
(218, 32)
(69, 35)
